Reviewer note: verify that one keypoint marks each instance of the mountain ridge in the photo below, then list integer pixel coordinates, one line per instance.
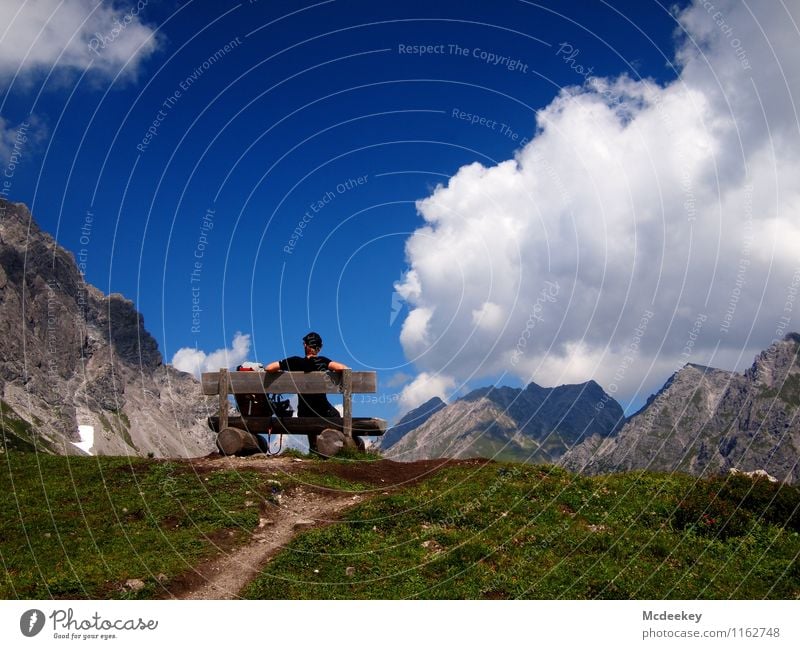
(708, 420)
(71, 355)
(525, 424)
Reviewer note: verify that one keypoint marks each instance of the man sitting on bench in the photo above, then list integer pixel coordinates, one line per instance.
(310, 405)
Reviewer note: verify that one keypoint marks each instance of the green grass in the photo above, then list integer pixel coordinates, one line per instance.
(79, 527)
(325, 481)
(515, 531)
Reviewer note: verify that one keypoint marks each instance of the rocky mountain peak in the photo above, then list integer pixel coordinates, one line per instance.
(524, 424)
(706, 420)
(71, 356)
(775, 364)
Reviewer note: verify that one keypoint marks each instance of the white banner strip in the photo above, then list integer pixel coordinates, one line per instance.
(402, 624)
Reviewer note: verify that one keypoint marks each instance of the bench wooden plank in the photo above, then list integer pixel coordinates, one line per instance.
(222, 390)
(362, 426)
(290, 382)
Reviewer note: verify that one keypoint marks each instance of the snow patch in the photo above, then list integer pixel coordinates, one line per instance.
(86, 434)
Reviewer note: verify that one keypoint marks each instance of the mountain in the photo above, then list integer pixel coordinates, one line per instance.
(533, 424)
(706, 420)
(411, 420)
(71, 356)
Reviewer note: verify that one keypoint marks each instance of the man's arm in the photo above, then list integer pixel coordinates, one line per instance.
(275, 366)
(337, 367)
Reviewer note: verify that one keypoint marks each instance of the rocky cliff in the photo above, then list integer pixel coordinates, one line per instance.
(533, 424)
(411, 420)
(706, 420)
(70, 356)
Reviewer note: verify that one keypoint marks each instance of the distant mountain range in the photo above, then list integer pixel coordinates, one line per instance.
(703, 421)
(411, 420)
(71, 356)
(706, 421)
(533, 424)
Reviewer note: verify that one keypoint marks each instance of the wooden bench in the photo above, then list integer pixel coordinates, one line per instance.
(238, 434)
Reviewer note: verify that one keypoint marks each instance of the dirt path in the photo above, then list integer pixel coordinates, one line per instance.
(226, 576)
(303, 508)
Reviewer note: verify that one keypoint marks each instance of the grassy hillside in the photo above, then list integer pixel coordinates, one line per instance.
(80, 527)
(514, 531)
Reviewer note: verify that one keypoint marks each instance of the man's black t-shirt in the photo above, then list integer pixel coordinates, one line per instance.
(310, 405)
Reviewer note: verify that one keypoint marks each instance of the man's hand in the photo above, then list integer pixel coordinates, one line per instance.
(337, 367)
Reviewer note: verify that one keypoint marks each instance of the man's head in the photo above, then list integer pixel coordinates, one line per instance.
(313, 341)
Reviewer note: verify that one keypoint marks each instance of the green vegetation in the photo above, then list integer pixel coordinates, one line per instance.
(81, 526)
(789, 391)
(122, 418)
(18, 434)
(517, 531)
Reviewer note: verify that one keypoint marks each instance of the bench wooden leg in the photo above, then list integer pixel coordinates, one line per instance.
(223, 398)
(312, 442)
(347, 401)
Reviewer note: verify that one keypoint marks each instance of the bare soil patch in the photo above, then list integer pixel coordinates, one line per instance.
(300, 508)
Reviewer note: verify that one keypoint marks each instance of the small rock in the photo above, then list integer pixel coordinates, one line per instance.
(303, 524)
(330, 442)
(263, 522)
(349, 571)
(248, 503)
(296, 459)
(316, 572)
(758, 473)
(47, 535)
(134, 584)
(161, 578)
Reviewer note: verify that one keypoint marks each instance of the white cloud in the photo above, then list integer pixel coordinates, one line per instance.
(632, 197)
(196, 361)
(424, 387)
(397, 379)
(16, 142)
(38, 35)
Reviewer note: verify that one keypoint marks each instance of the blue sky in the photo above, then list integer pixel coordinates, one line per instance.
(263, 162)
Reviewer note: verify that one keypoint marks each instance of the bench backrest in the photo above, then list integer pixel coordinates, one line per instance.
(291, 382)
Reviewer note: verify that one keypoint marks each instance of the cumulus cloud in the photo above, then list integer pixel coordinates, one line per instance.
(76, 34)
(643, 226)
(196, 361)
(424, 387)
